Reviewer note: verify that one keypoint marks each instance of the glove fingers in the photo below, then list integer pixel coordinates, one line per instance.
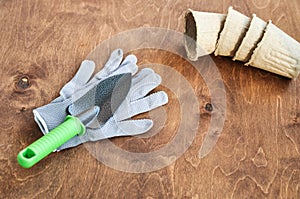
(115, 129)
(141, 75)
(111, 65)
(128, 68)
(133, 127)
(82, 76)
(129, 59)
(144, 86)
(142, 105)
(84, 72)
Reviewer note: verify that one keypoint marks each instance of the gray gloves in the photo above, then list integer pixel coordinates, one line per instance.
(136, 102)
(51, 115)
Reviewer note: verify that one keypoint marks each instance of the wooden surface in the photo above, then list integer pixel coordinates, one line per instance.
(43, 43)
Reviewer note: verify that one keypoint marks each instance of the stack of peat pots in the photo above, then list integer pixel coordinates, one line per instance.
(251, 40)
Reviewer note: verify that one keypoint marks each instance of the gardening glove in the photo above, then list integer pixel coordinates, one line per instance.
(135, 103)
(53, 114)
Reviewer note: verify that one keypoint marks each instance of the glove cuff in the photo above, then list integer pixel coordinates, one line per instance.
(41, 122)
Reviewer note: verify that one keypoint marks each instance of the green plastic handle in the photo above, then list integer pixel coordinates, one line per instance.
(42, 147)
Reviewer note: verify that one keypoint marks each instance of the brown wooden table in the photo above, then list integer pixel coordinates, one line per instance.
(41, 46)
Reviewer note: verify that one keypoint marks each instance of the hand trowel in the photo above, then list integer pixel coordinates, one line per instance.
(100, 101)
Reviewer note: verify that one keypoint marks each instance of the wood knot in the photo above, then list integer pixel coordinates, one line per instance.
(208, 107)
(23, 82)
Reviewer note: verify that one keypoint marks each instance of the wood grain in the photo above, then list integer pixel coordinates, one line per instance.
(257, 155)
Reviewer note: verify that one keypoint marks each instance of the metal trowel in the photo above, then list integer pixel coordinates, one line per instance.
(100, 101)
